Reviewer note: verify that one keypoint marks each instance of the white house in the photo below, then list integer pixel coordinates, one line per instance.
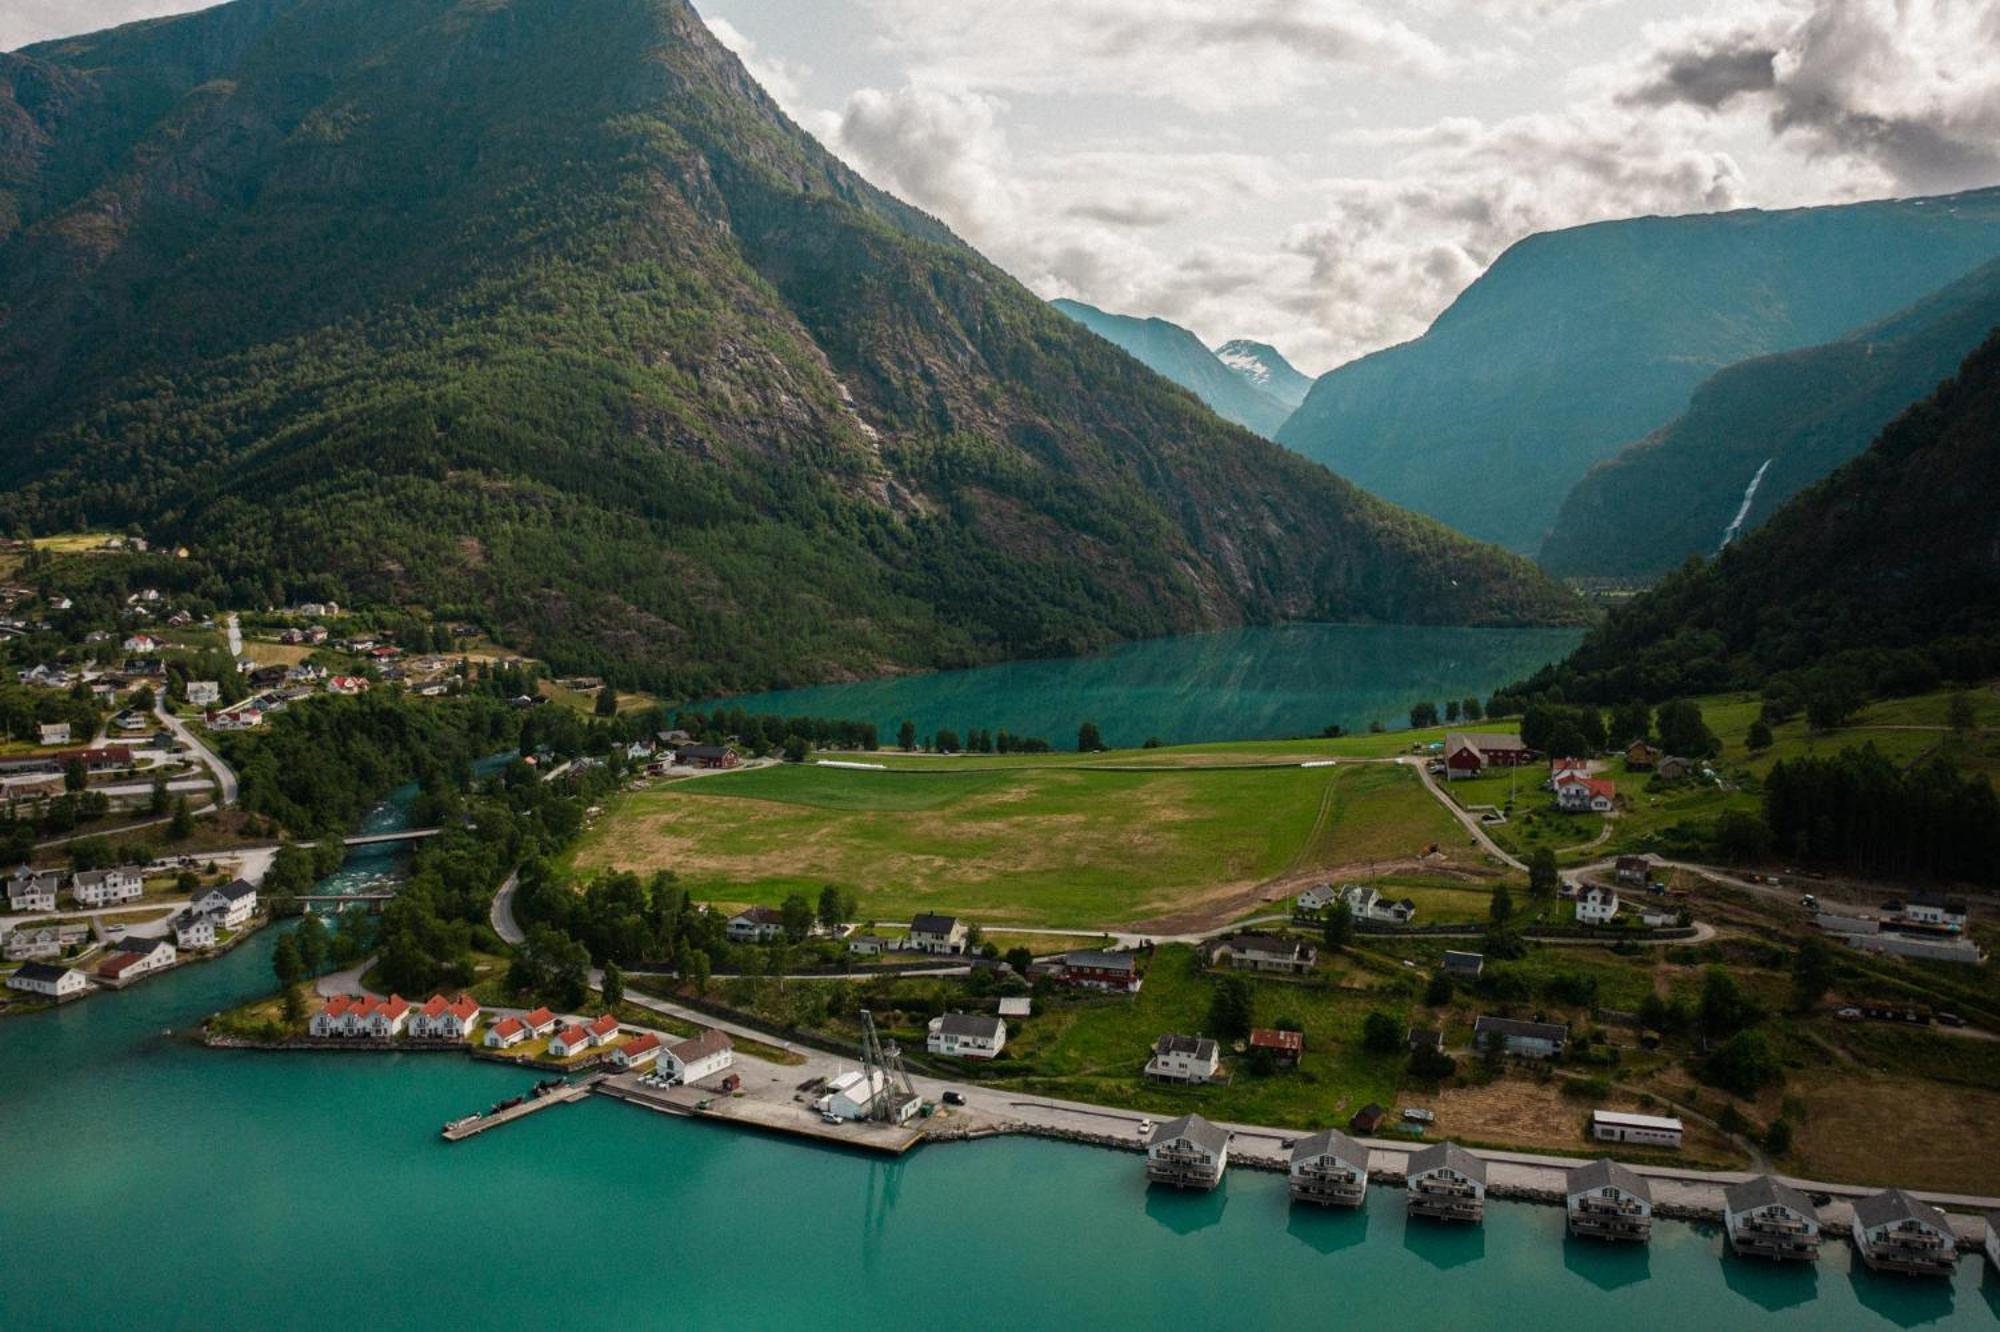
(1314, 900)
(379, 1018)
(443, 1019)
(50, 982)
(1597, 906)
(37, 942)
(1330, 1168)
(1894, 1232)
(1367, 904)
(1188, 1153)
(194, 931)
(203, 693)
(1607, 1201)
(33, 892)
(1250, 951)
(506, 1033)
(756, 925)
(1767, 1219)
(700, 1057)
(849, 1095)
(967, 1035)
(868, 945)
(1446, 1182)
(331, 1020)
(136, 957)
(1934, 911)
(938, 934)
(55, 733)
(230, 904)
(637, 1052)
(98, 888)
(539, 1022)
(603, 1029)
(1639, 1130)
(1577, 793)
(142, 644)
(1184, 1059)
(568, 1042)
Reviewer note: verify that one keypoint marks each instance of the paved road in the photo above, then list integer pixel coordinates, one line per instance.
(227, 788)
(502, 913)
(1470, 822)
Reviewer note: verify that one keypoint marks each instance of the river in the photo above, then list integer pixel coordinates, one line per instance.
(1240, 684)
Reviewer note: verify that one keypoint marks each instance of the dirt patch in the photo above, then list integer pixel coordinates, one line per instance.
(1870, 1130)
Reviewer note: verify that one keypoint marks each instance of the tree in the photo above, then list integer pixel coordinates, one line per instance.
(313, 944)
(181, 826)
(285, 964)
(1959, 713)
(946, 741)
(1726, 1007)
(1088, 738)
(1832, 696)
(1431, 1065)
(1544, 878)
(696, 970)
(1423, 715)
(1744, 1064)
(613, 986)
(1501, 908)
(1451, 709)
(1567, 740)
(1020, 958)
(1471, 709)
(1439, 992)
(156, 804)
(836, 905)
(1742, 836)
(1813, 970)
(1381, 1033)
(1337, 930)
(1229, 1010)
(76, 777)
(797, 914)
(1682, 730)
(906, 736)
(1758, 738)
(607, 702)
(1778, 1137)
(1629, 722)
(798, 750)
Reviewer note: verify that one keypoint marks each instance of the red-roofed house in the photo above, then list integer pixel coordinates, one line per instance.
(505, 1033)
(540, 1022)
(638, 1051)
(603, 1030)
(1578, 794)
(383, 1018)
(1557, 767)
(1285, 1046)
(569, 1041)
(446, 1019)
(331, 1020)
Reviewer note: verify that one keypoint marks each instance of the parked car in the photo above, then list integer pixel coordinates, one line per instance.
(1849, 1015)
(954, 1098)
(1949, 1019)
(1417, 1115)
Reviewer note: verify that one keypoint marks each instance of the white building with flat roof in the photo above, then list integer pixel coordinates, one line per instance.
(1639, 1130)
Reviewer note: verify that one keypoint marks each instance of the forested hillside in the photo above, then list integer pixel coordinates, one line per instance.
(473, 305)
(1577, 343)
(1887, 573)
(1173, 351)
(1780, 422)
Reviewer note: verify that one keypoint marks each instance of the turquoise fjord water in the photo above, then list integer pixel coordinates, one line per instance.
(1240, 684)
(243, 1190)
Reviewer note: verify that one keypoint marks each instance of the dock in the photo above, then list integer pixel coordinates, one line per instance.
(472, 1125)
(788, 1117)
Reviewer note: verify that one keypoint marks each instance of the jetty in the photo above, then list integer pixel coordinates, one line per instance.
(762, 1112)
(554, 1092)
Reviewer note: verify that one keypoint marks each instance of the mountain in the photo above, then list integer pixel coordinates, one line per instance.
(1266, 368)
(561, 325)
(1170, 350)
(1758, 433)
(1576, 343)
(1891, 564)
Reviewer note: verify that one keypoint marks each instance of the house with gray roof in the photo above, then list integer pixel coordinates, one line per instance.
(1179, 1058)
(1606, 1200)
(967, 1035)
(1188, 1153)
(1329, 1168)
(1895, 1232)
(945, 935)
(1250, 951)
(47, 981)
(1767, 1218)
(1529, 1040)
(1446, 1183)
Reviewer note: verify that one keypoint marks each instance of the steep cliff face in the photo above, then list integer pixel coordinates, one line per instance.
(472, 304)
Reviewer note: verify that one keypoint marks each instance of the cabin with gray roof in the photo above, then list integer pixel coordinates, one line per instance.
(1895, 1232)
(1608, 1201)
(1188, 1153)
(1529, 1040)
(1767, 1218)
(1446, 1183)
(1329, 1168)
(967, 1035)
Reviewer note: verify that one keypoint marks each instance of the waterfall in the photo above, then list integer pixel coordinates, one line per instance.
(1729, 533)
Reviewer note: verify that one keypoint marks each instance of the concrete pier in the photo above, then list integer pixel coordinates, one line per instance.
(762, 1112)
(472, 1125)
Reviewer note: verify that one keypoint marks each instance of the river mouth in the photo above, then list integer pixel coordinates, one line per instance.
(1264, 683)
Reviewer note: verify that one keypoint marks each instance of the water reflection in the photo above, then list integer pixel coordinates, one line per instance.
(1606, 1264)
(1444, 1244)
(1185, 1211)
(1770, 1286)
(1327, 1229)
(1906, 1301)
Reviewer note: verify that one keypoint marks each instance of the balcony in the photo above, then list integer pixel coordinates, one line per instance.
(1342, 1187)
(1783, 1241)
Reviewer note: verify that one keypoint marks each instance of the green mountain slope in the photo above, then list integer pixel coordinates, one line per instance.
(1780, 422)
(561, 324)
(1170, 350)
(1897, 550)
(1576, 343)
(1266, 368)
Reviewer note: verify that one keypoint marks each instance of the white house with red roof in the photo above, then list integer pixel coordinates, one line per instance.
(506, 1033)
(1578, 793)
(346, 684)
(445, 1019)
(331, 1020)
(568, 1042)
(638, 1052)
(380, 1018)
(539, 1022)
(603, 1030)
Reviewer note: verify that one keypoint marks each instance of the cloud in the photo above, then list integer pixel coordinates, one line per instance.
(1910, 87)
(778, 77)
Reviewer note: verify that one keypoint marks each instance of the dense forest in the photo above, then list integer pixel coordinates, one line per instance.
(565, 326)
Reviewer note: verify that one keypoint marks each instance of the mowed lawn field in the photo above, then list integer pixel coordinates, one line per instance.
(1036, 845)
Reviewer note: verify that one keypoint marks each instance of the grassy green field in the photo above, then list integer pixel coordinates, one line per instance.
(1031, 845)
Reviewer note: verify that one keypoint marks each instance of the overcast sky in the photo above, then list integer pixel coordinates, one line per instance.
(1326, 175)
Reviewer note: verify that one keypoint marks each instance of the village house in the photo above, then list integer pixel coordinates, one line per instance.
(755, 925)
(331, 1020)
(142, 644)
(1184, 1059)
(637, 1052)
(1673, 768)
(1016, 1005)
(539, 1022)
(1579, 794)
(443, 1019)
(1092, 969)
(1606, 1200)
(1367, 1119)
(505, 1034)
(28, 891)
(1558, 767)
(569, 1042)
(943, 935)
(1329, 1168)
(1768, 1219)
(711, 1052)
(1447, 1183)
(55, 733)
(603, 1029)
(1463, 965)
(1894, 1232)
(1419, 1040)
(707, 756)
(1529, 1040)
(203, 693)
(1639, 1130)
(1188, 1153)
(40, 942)
(101, 888)
(1640, 756)
(1283, 1048)
(1468, 754)
(849, 1095)
(346, 684)
(135, 958)
(1262, 952)
(966, 1035)
(192, 930)
(231, 904)
(1366, 903)
(1316, 900)
(32, 787)
(869, 945)
(1934, 911)
(1597, 905)
(1658, 917)
(50, 982)
(380, 1019)
(1633, 871)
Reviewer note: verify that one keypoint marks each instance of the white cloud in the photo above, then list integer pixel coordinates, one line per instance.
(778, 77)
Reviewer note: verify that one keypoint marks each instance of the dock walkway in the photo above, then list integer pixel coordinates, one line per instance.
(472, 1125)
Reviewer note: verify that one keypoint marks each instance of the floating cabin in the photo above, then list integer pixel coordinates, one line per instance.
(1329, 1168)
(1768, 1219)
(1607, 1201)
(1446, 1183)
(1188, 1153)
(1895, 1232)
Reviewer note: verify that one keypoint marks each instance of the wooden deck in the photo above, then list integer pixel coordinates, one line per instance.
(473, 1125)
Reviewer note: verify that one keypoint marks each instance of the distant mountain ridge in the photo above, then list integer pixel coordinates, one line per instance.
(1576, 343)
(1780, 421)
(563, 327)
(1176, 353)
(1266, 368)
